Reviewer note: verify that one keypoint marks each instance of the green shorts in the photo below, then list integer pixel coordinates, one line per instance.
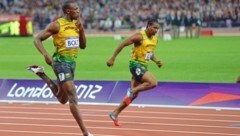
(64, 71)
(138, 70)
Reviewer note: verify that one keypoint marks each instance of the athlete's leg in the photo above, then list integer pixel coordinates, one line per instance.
(123, 105)
(56, 90)
(65, 73)
(142, 80)
(148, 82)
(114, 115)
(70, 89)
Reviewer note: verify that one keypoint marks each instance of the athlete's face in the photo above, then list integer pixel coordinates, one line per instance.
(73, 11)
(153, 29)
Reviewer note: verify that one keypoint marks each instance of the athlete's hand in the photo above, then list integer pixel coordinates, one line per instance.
(238, 80)
(79, 23)
(159, 63)
(110, 62)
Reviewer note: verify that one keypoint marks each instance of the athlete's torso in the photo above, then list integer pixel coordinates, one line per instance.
(66, 41)
(144, 51)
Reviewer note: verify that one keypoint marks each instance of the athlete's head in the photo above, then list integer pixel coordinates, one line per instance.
(152, 26)
(70, 9)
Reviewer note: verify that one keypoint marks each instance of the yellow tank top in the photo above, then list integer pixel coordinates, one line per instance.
(66, 41)
(142, 53)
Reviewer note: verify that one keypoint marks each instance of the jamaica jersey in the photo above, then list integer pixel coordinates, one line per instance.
(143, 52)
(66, 41)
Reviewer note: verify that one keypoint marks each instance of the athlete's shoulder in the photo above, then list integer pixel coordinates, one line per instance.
(138, 35)
(53, 27)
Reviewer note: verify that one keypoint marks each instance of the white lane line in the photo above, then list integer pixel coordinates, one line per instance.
(128, 111)
(124, 122)
(125, 116)
(24, 102)
(130, 129)
(49, 133)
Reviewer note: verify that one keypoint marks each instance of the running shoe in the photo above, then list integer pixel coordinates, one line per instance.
(114, 119)
(36, 69)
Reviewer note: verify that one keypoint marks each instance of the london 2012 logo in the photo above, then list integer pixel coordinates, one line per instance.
(44, 92)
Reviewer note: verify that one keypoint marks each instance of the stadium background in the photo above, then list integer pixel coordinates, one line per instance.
(196, 95)
(185, 59)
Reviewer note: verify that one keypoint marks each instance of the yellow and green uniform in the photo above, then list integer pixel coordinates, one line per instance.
(141, 54)
(66, 41)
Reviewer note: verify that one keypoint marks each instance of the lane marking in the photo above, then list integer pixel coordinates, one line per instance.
(49, 133)
(126, 116)
(124, 122)
(129, 129)
(128, 111)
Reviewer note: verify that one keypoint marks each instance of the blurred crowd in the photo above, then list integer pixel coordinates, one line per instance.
(110, 15)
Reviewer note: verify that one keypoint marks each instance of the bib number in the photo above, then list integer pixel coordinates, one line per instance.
(148, 55)
(61, 76)
(72, 42)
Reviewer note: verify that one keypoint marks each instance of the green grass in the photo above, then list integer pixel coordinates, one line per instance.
(208, 59)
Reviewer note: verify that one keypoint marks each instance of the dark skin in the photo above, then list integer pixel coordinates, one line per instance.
(148, 80)
(238, 80)
(64, 91)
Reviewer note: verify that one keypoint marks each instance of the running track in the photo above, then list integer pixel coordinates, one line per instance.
(19, 119)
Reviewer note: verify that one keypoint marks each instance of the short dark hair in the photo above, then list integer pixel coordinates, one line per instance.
(151, 22)
(66, 4)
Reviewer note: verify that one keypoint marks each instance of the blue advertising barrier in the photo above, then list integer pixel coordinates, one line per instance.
(166, 93)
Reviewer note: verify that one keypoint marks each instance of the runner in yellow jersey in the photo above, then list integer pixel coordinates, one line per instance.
(68, 36)
(144, 43)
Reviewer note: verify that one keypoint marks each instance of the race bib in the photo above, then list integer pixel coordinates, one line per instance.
(148, 55)
(72, 42)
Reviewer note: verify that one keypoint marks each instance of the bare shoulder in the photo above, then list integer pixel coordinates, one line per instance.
(137, 37)
(50, 30)
(53, 27)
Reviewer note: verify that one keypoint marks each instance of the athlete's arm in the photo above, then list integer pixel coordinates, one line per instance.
(134, 39)
(154, 59)
(51, 29)
(82, 37)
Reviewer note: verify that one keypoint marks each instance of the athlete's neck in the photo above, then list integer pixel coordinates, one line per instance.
(68, 18)
(148, 34)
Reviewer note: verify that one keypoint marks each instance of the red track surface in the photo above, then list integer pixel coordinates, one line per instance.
(56, 120)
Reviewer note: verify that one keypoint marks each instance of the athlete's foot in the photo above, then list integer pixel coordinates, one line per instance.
(114, 119)
(36, 69)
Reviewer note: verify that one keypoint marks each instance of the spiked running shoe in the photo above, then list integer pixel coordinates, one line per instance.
(35, 69)
(114, 119)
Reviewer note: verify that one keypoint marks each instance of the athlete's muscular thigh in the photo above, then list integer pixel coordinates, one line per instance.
(69, 88)
(149, 78)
